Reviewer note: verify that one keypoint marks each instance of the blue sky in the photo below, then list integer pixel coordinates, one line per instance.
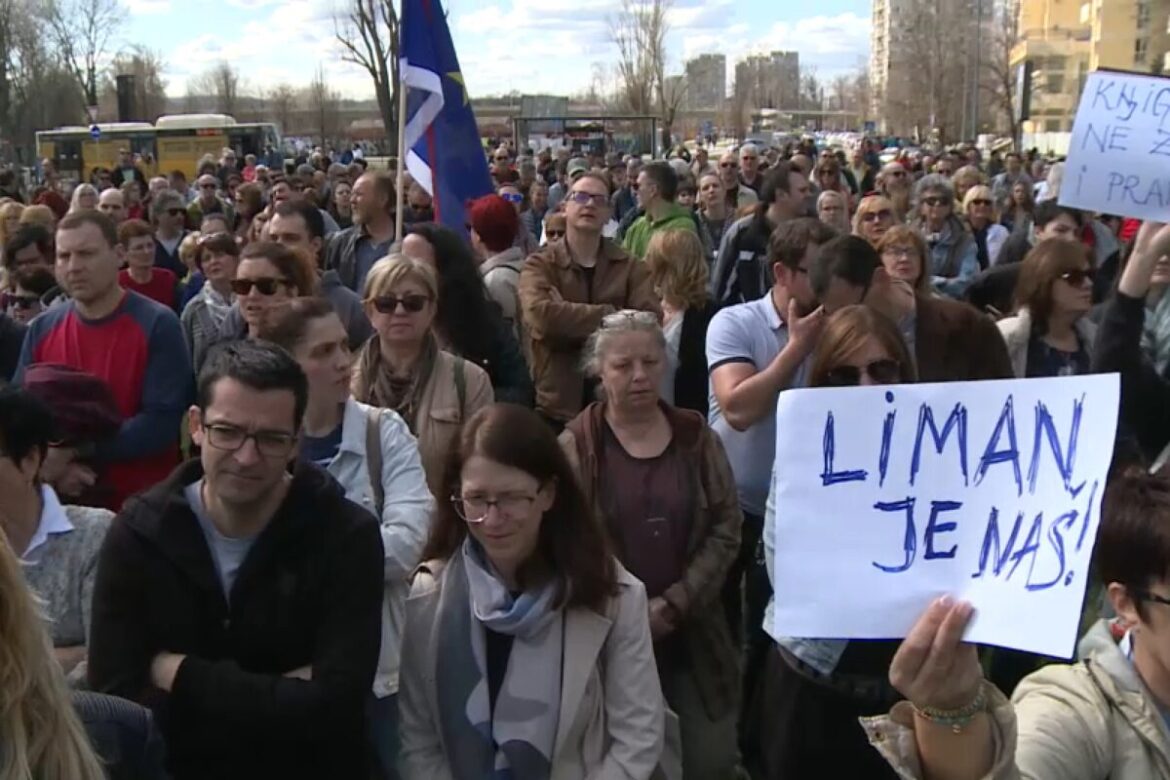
(548, 46)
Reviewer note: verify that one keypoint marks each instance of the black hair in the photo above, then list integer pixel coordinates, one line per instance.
(851, 258)
(258, 365)
(664, 178)
(775, 179)
(1047, 211)
(37, 280)
(314, 222)
(26, 236)
(466, 315)
(26, 424)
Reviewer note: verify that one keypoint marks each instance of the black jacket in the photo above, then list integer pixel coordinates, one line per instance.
(742, 272)
(506, 366)
(308, 594)
(690, 379)
(341, 255)
(1144, 417)
(11, 341)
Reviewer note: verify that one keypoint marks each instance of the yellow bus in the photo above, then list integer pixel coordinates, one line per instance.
(173, 143)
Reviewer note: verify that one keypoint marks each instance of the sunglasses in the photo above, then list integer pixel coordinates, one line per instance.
(882, 372)
(875, 216)
(1078, 277)
(512, 197)
(933, 201)
(22, 302)
(411, 304)
(980, 202)
(243, 287)
(728, 165)
(176, 212)
(554, 233)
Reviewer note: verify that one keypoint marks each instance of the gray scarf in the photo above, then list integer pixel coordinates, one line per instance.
(516, 741)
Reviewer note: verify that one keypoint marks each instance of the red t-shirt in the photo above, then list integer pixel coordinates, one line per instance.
(162, 287)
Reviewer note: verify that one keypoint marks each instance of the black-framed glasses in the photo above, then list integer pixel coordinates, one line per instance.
(588, 198)
(411, 304)
(474, 509)
(882, 372)
(21, 302)
(230, 438)
(554, 233)
(243, 287)
(1078, 276)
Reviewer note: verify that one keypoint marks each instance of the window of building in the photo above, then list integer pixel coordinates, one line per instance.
(1141, 48)
(1143, 15)
(1052, 125)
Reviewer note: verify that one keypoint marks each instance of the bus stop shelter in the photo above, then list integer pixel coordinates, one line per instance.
(632, 134)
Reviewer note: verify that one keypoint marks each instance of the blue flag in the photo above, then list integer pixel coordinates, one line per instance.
(443, 149)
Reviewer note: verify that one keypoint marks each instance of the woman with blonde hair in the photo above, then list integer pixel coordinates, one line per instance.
(983, 220)
(875, 215)
(402, 367)
(678, 268)
(85, 196)
(904, 257)
(965, 178)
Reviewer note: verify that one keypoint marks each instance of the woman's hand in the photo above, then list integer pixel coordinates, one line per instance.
(1152, 242)
(934, 668)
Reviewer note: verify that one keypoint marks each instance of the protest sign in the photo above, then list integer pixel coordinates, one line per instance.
(888, 497)
(1119, 152)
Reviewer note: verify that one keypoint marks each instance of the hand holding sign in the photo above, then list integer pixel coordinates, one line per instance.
(934, 667)
(889, 497)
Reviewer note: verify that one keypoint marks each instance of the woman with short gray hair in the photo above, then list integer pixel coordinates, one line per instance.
(953, 255)
(659, 481)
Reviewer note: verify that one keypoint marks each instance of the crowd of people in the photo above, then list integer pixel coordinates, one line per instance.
(285, 495)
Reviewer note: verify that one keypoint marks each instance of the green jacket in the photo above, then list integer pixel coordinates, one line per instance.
(638, 236)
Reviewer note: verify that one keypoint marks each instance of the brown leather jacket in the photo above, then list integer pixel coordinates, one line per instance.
(562, 309)
(713, 544)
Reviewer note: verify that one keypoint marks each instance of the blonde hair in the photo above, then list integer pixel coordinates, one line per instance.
(7, 211)
(39, 214)
(871, 203)
(980, 192)
(41, 735)
(396, 268)
(678, 268)
(967, 177)
(189, 250)
(81, 189)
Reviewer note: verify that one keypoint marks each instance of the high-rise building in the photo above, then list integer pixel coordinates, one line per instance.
(1064, 40)
(770, 80)
(706, 82)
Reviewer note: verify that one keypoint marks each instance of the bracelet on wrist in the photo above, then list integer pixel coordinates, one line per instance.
(956, 719)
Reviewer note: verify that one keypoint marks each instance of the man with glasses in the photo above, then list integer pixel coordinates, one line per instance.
(241, 598)
(168, 214)
(736, 194)
(208, 201)
(127, 340)
(565, 290)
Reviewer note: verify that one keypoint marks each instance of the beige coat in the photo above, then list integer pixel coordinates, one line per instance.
(612, 716)
(1092, 720)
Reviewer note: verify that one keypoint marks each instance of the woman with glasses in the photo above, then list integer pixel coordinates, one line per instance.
(405, 369)
(1050, 334)
(1100, 718)
(874, 216)
(373, 456)
(468, 322)
(814, 690)
(903, 254)
(522, 239)
(982, 219)
(216, 259)
(554, 227)
(677, 262)
(530, 653)
(950, 246)
(659, 480)
(26, 298)
(267, 277)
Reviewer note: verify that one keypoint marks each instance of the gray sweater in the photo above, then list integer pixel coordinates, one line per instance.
(64, 572)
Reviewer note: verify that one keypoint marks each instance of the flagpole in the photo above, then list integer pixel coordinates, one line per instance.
(399, 211)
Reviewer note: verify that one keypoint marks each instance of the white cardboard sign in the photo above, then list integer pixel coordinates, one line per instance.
(888, 497)
(1119, 153)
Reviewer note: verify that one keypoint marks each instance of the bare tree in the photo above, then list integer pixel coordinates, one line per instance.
(639, 32)
(282, 101)
(932, 52)
(80, 32)
(221, 82)
(737, 106)
(324, 106)
(367, 31)
(1000, 77)
(150, 89)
